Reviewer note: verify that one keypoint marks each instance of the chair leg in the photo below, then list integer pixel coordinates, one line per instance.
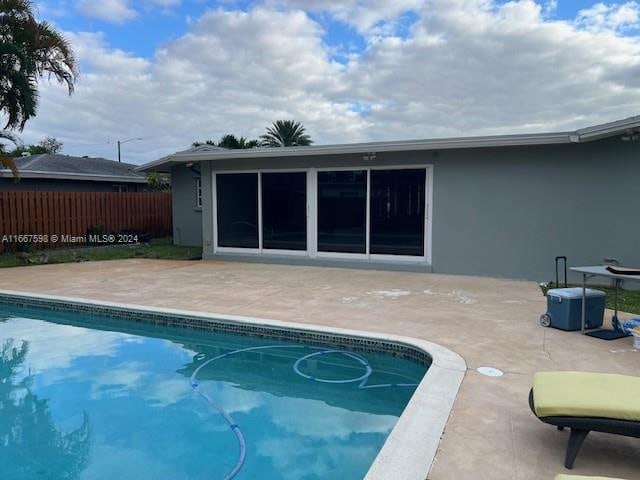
(576, 439)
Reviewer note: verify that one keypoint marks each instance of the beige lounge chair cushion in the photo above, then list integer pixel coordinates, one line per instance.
(584, 394)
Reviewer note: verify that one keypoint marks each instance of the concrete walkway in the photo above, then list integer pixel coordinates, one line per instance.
(491, 433)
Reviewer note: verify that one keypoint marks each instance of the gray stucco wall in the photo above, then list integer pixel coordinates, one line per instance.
(55, 185)
(187, 217)
(508, 212)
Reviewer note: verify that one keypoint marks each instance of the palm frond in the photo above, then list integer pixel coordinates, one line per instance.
(18, 8)
(286, 133)
(29, 50)
(53, 55)
(5, 159)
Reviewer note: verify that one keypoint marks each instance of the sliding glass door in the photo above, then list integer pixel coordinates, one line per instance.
(237, 205)
(342, 211)
(284, 211)
(377, 213)
(397, 211)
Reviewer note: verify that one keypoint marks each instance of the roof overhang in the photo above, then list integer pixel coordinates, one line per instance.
(578, 136)
(72, 176)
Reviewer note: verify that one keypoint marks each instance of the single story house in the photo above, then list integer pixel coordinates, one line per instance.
(63, 173)
(501, 206)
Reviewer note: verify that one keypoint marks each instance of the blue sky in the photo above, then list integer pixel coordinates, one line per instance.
(176, 71)
(155, 25)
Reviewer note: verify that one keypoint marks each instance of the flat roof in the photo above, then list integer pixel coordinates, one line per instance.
(583, 135)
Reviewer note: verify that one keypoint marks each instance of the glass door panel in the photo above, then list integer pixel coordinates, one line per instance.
(397, 212)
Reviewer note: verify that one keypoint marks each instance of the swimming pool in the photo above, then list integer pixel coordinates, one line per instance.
(90, 390)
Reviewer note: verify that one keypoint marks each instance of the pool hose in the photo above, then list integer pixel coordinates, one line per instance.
(242, 453)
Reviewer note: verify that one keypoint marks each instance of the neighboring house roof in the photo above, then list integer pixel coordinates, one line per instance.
(65, 167)
(596, 132)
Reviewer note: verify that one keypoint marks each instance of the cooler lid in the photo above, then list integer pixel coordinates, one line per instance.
(575, 292)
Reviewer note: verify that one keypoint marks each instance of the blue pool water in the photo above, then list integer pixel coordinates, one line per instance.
(92, 398)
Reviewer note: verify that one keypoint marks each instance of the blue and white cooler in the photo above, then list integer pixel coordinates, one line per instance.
(564, 309)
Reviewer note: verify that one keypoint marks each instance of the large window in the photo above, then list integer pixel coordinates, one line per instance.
(284, 211)
(342, 211)
(198, 193)
(360, 212)
(237, 199)
(397, 212)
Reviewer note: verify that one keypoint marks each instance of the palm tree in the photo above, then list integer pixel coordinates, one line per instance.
(286, 133)
(231, 141)
(29, 50)
(27, 425)
(6, 160)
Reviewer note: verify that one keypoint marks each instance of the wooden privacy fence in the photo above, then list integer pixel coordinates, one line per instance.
(57, 216)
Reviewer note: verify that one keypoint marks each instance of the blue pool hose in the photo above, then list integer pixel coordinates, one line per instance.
(242, 454)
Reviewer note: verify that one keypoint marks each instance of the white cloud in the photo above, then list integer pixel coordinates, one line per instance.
(467, 67)
(362, 14)
(53, 346)
(610, 17)
(232, 72)
(115, 11)
(474, 67)
(164, 3)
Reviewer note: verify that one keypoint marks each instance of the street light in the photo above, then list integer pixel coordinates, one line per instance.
(126, 141)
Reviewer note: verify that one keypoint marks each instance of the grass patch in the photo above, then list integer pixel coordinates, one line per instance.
(628, 300)
(161, 248)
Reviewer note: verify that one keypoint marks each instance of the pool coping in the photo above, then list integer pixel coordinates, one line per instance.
(409, 450)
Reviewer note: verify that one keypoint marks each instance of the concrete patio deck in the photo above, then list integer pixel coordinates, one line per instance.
(491, 433)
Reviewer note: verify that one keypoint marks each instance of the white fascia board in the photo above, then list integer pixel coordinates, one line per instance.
(583, 135)
(374, 147)
(71, 176)
(608, 129)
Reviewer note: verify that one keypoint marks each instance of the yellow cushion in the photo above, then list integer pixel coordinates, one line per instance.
(583, 394)
(580, 477)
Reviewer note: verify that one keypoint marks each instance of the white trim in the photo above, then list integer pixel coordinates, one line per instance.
(248, 251)
(312, 217)
(553, 138)
(343, 255)
(72, 176)
(398, 258)
(361, 148)
(428, 195)
(280, 252)
(344, 169)
(214, 213)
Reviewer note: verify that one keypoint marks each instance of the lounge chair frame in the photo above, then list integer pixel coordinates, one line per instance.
(581, 426)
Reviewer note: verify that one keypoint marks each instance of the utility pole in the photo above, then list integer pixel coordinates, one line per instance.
(126, 141)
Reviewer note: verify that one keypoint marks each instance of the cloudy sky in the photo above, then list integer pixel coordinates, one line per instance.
(175, 71)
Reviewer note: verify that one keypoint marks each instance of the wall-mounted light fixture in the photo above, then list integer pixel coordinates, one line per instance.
(631, 135)
(369, 157)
